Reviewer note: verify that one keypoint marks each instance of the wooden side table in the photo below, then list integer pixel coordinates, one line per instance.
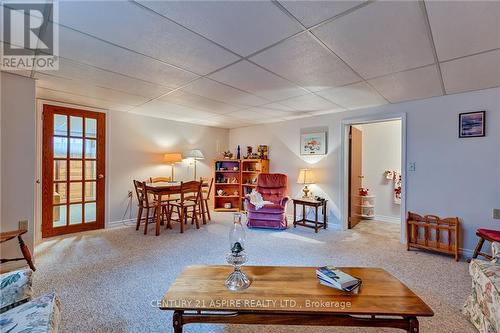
(314, 224)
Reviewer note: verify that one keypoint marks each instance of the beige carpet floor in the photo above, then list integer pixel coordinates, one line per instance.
(107, 280)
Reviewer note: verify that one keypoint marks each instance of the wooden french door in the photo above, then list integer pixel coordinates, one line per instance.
(355, 174)
(73, 168)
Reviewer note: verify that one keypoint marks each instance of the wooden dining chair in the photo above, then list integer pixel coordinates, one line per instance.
(165, 201)
(188, 204)
(206, 189)
(144, 201)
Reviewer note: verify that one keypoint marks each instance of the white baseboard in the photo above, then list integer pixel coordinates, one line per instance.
(390, 219)
(120, 223)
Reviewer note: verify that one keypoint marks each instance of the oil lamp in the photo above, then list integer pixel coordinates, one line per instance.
(237, 280)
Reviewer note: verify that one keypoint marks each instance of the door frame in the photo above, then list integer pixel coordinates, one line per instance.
(39, 150)
(344, 164)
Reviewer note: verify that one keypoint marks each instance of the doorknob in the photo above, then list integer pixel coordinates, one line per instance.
(361, 176)
(101, 176)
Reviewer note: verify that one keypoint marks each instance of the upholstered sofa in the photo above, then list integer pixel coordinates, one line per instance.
(19, 312)
(482, 307)
(273, 187)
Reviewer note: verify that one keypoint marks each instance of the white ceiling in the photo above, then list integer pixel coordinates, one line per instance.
(237, 63)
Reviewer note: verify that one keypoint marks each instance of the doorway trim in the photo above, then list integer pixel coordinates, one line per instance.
(344, 165)
(39, 146)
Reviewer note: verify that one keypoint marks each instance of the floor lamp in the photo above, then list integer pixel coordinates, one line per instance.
(195, 154)
(171, 159)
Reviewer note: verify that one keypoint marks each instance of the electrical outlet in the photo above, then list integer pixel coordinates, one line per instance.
(496, 213)
(23, 225)
(411, 166)
(129, 194)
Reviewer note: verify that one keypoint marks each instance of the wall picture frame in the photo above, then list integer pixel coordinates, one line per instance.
(313, 143)
(472, 124)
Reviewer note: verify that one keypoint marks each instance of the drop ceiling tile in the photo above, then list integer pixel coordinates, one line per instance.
(60, 96)
(253, 79)
(312, 12)
(310, 102)
(84, 89)
(242, 26)
(223, 93)
(82, 48)
(322, 112)
(303, 60)
(381, 38)
(92, 75)
(246, 115)
(355, 96)
(270, 113)
(229, 122)
(413, 84)
(278, 107)
(199, 102)
(161, 109)
(461, 28)
(472, 73)
(137, 28)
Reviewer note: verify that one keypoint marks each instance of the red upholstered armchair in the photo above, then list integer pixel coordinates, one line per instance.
(273, 187)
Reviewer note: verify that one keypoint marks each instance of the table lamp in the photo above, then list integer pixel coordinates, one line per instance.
(195, 154)
(171, 159)
(306, 176)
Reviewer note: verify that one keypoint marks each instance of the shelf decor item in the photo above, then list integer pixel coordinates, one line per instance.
(472, 124)
(313, 144)
(306, 177)
(237, 280)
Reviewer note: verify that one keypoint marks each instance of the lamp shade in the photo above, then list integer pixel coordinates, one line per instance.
(171, 158)
(194, 153)
(306, 176)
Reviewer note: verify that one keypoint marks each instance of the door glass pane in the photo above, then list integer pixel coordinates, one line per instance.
(75, 213)
(75, 148)
(75, 170)
(60, 195)
(76, 126)
(59, 169)
(60, 124)
(90, 190)
(90, 148)
(59, 216)
(90, 127)
(90, 212)
(75, 192)
(60, 147)
(90, 170)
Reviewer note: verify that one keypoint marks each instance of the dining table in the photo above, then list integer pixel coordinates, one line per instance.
(161, 189)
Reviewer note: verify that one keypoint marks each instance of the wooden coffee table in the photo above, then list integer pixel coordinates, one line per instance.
(292, 296)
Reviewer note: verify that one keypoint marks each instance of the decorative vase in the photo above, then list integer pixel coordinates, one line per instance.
(238, 155)
(237, 280)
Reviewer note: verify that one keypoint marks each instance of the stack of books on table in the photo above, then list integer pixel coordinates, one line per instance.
(335, 278)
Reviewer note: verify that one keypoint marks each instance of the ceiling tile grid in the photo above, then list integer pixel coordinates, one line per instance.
(413, 84)
(258, 81)
(303, 60)
(242, 26)
(476, 72)
(129, 25)
(181, 60)
(381, 38)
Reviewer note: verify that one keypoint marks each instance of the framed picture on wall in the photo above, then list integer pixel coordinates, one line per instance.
(313, 143)
(472, 124)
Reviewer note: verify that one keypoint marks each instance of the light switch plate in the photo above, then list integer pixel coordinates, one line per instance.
(496, 213)
(23, 225)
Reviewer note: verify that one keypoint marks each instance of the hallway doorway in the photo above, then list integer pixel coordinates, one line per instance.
(374, 173)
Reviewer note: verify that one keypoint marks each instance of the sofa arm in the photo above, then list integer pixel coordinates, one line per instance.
(15, 288)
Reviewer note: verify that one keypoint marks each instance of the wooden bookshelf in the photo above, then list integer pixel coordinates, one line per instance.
(235, 178)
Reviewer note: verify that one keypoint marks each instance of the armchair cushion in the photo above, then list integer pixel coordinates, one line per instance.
(15, 288)
(41, 315)
(482, 307)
